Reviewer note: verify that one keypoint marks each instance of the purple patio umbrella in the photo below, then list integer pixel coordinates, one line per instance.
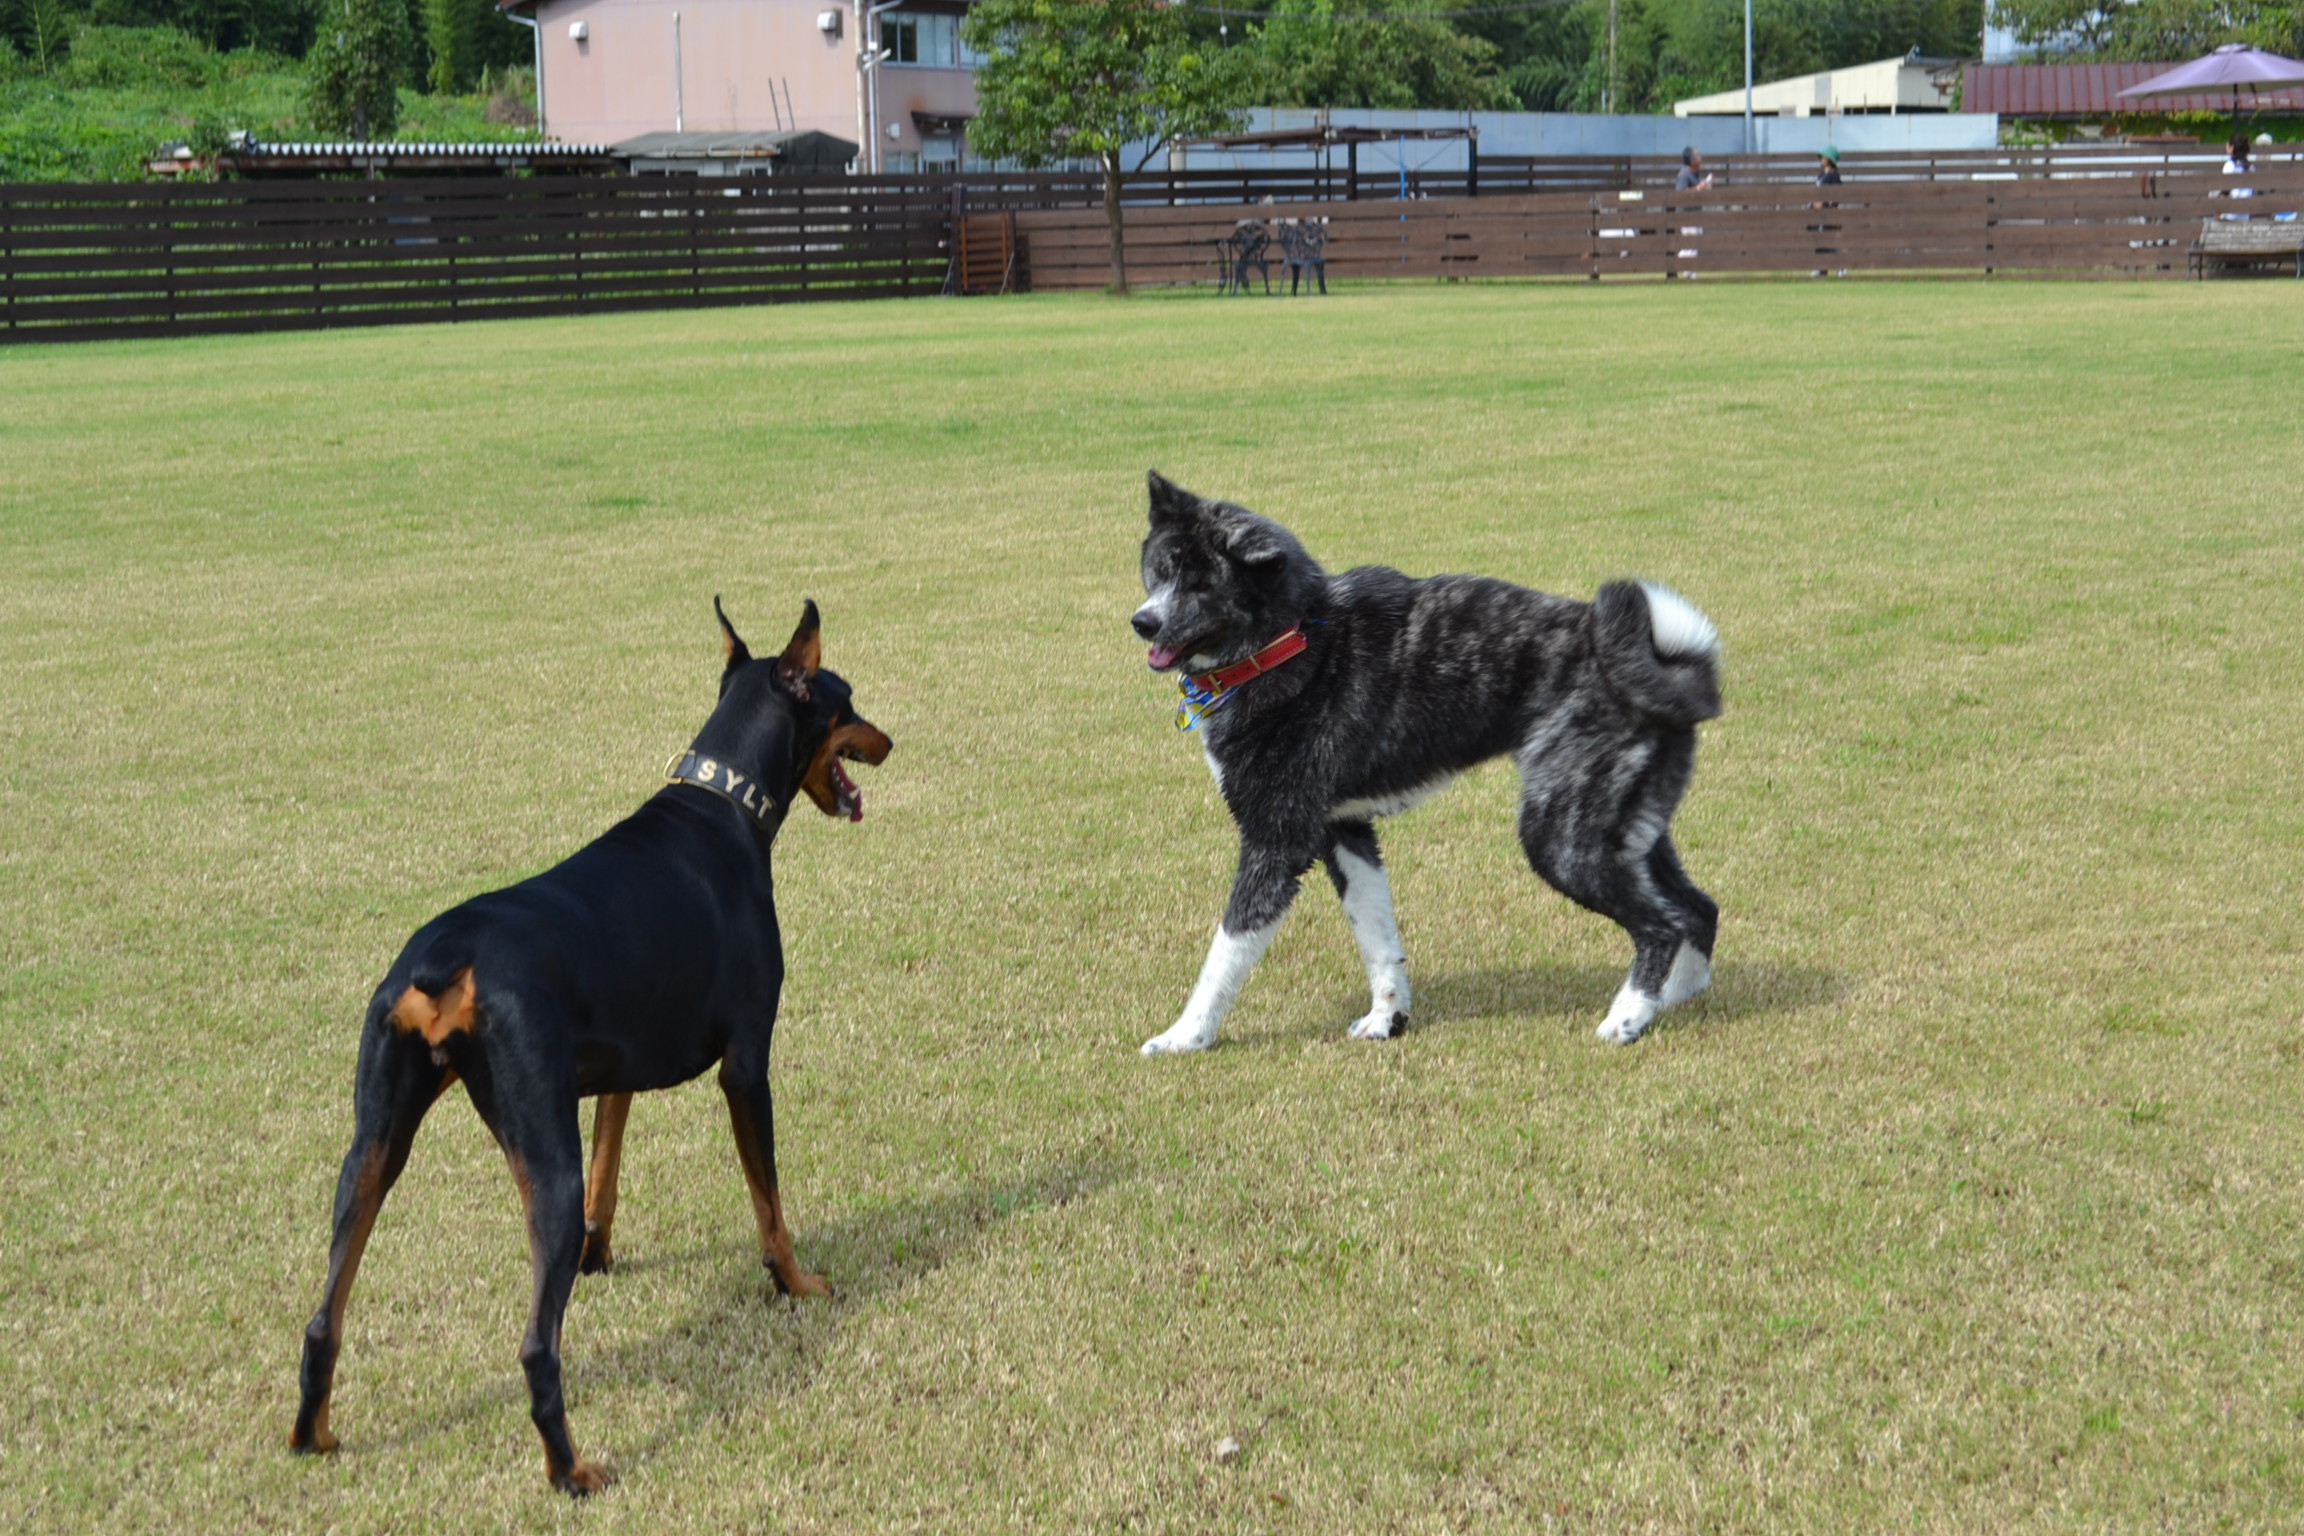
(2235, 64)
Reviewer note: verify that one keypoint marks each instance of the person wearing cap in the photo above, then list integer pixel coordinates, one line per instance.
(1827, 175)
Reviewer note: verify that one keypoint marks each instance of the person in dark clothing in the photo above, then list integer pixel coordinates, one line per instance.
(1693, 177)
(1827, 175)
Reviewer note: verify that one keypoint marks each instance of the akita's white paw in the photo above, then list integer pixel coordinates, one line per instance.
(1380, 1024)
(1628, 1019)
(1183, 1035)
(1691, 974)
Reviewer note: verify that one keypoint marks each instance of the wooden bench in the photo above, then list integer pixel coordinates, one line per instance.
(2228, 243)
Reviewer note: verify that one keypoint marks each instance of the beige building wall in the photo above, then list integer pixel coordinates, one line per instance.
(1891, 86)
(740, 62)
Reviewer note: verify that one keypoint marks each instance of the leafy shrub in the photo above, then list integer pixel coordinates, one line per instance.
(136, 58)
(511, 96)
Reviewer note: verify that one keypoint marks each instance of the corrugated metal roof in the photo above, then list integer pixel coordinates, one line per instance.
(534, 148)
(2092, 90)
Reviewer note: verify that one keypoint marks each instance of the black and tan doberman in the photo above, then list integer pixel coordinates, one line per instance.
(642, 960)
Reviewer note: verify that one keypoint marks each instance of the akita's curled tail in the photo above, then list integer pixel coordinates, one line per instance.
(1658, 653)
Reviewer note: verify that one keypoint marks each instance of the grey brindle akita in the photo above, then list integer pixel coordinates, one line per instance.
(1383, 687)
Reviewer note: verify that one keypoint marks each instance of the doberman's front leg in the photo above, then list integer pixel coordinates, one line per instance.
(608, 1118)
(744, 1079)
(395, 1084)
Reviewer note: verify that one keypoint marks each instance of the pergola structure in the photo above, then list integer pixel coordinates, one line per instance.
(1322, 138)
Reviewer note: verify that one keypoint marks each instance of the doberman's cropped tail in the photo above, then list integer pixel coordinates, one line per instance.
(437, 968)
(1657, 651)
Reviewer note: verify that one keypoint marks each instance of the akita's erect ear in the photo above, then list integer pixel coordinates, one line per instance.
(1251, 541)
(806, 652)
(1170, 501)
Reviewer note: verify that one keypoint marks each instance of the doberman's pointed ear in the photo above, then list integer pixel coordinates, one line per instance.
(730, 642)
(801, 658)
(1170, 501)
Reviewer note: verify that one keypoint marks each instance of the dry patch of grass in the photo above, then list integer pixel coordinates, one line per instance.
(1967, 1200)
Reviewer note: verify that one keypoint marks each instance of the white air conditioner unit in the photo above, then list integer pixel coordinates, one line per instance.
(579, 30)
(828, 23)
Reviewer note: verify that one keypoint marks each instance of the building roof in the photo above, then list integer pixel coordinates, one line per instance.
(1908, 84)
(792, 149)
(383, 156)
(2093, 90)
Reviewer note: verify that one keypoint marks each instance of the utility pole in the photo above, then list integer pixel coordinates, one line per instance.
(1608, 90)
(1747, 76)
(863, 133)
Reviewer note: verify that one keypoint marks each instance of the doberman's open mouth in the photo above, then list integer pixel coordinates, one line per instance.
(847, 799)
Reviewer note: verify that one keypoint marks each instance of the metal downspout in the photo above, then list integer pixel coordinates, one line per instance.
(536, 37)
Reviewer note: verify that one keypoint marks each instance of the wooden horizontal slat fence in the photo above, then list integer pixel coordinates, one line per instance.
(80, 262)
(2110, 227)
(138, 259)
(1599, 173)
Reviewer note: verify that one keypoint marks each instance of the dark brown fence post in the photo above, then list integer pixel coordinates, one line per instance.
(168, 256)
(959, 214)
(449, 239)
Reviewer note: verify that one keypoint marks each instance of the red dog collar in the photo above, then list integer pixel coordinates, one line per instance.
(1205, 692)
(1289, 644)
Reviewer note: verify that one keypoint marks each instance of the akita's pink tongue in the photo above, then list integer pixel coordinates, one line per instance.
(1160, 658)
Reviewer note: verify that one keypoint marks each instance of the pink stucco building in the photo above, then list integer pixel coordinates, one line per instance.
(891, 77)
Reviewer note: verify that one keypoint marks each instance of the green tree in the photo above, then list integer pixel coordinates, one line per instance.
(451, 34)
(1066, 79)
(1373, 53)
(2154, 30)
(353, 73)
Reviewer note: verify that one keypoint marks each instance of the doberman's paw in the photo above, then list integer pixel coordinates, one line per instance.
(598, 1259)
(320, 1443)
(581, 1480)
(800, 1283)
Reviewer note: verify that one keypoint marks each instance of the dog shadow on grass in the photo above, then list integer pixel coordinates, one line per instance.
(742, 1346)
(1546, 992)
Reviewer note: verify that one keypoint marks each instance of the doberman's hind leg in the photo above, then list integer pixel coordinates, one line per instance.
(554, 1186)
(1357, 871)
(396, 1082)
(536, 1127)
(751, 1114)
(608, 1118)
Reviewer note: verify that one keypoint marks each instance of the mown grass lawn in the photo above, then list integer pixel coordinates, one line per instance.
(1968, 1199)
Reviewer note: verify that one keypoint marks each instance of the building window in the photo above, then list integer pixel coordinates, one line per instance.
(926, 37)
(900, 162)
(940, 153)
